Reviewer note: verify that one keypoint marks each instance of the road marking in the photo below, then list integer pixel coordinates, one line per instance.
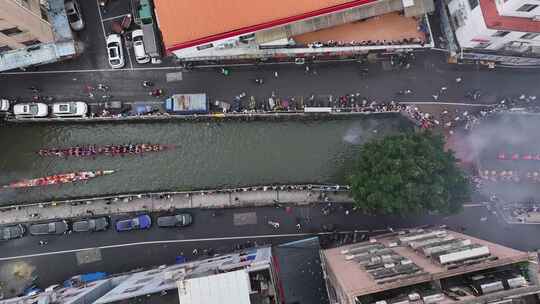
(92, 71)
(129, 56)
(115, 17)
(178, 241)
(449, 103)
(101, 21)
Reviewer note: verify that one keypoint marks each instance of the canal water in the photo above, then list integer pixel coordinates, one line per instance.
(207, 154)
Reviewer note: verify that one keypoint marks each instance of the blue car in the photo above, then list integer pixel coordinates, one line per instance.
(139, 222)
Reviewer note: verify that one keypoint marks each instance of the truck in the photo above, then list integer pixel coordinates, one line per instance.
(187, 104)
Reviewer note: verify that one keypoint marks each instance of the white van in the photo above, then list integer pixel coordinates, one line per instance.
(138, 47)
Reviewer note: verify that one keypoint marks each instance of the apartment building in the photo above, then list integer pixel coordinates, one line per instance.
(501, 31)
(241, 29)
(429, 266)
(33, 32)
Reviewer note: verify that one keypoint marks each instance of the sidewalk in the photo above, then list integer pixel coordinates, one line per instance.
(159, 202)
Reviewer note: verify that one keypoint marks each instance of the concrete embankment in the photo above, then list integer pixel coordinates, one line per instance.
(166, 201)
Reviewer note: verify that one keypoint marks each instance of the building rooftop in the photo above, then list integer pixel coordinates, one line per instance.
(389, 27)
(495, 21)
(229, 287)
(418, 256)
(188, 23)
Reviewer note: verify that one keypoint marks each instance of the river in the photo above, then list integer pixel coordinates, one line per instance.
(207, 154)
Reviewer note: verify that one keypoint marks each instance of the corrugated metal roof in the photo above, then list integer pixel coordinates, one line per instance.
(229, 287)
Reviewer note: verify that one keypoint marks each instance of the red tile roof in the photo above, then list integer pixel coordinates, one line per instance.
(189, 23)
(504, 23)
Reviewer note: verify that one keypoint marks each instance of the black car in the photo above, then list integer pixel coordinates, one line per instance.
(176, 220)
(91, 224)
(12, 232)
(59, 227)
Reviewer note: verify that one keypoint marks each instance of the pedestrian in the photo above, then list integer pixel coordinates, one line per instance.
(435, 97)
(276, 75)
(195, 251)
(298, 227)
(458, 79)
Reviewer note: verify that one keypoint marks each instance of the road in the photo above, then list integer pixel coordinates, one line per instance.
(118, 252)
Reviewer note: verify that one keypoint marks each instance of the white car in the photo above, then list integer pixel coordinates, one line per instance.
(4, 105)
(30, 110)
(73, 12)
(70, 109)
(138, 47)
(115, 51)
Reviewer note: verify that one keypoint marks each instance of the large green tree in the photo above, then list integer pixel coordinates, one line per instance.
(409, 173)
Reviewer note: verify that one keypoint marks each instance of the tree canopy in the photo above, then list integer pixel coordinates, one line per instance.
(409, 173)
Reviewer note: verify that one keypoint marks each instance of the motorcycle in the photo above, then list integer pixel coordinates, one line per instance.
(147, 84)
(275, 225)
(156, 93)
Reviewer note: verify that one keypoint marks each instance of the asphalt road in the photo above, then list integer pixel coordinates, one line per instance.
(428, 74)
(112, 252)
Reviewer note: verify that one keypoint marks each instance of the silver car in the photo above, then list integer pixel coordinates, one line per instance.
(59, 227)
(73, 12)
(12, 232)
(178, 220)
(91, 225)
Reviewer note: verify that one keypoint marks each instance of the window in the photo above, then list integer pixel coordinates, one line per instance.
(473, 3)
(132, 289)
(530, 36)
(11, 31)
(204, 47)
(482, 45)
(527, 7)
(458, 20)
(141, 281)
(31, 42)
(5, 48)
(500, 33)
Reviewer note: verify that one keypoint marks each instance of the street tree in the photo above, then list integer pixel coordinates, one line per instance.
(409, 173)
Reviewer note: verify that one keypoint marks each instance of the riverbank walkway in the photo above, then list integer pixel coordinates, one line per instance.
(168, 201)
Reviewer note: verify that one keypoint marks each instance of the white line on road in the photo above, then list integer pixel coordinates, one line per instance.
(166, 242)
(115, 17)
(129, 57)
(180, 241)
(92, 71)
(449, 103)
(101, 21)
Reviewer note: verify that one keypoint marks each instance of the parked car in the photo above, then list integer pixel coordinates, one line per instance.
(138, 47)
(30, 110)
(4, 105)
(70, 109)
(59, 227)
(12, 232)
(177, 220)
(73, 12)
(115, 51)
(91, 224)
(139, 222)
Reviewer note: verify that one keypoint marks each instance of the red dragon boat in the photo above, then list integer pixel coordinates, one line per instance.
(57, 179)
(111, 150)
